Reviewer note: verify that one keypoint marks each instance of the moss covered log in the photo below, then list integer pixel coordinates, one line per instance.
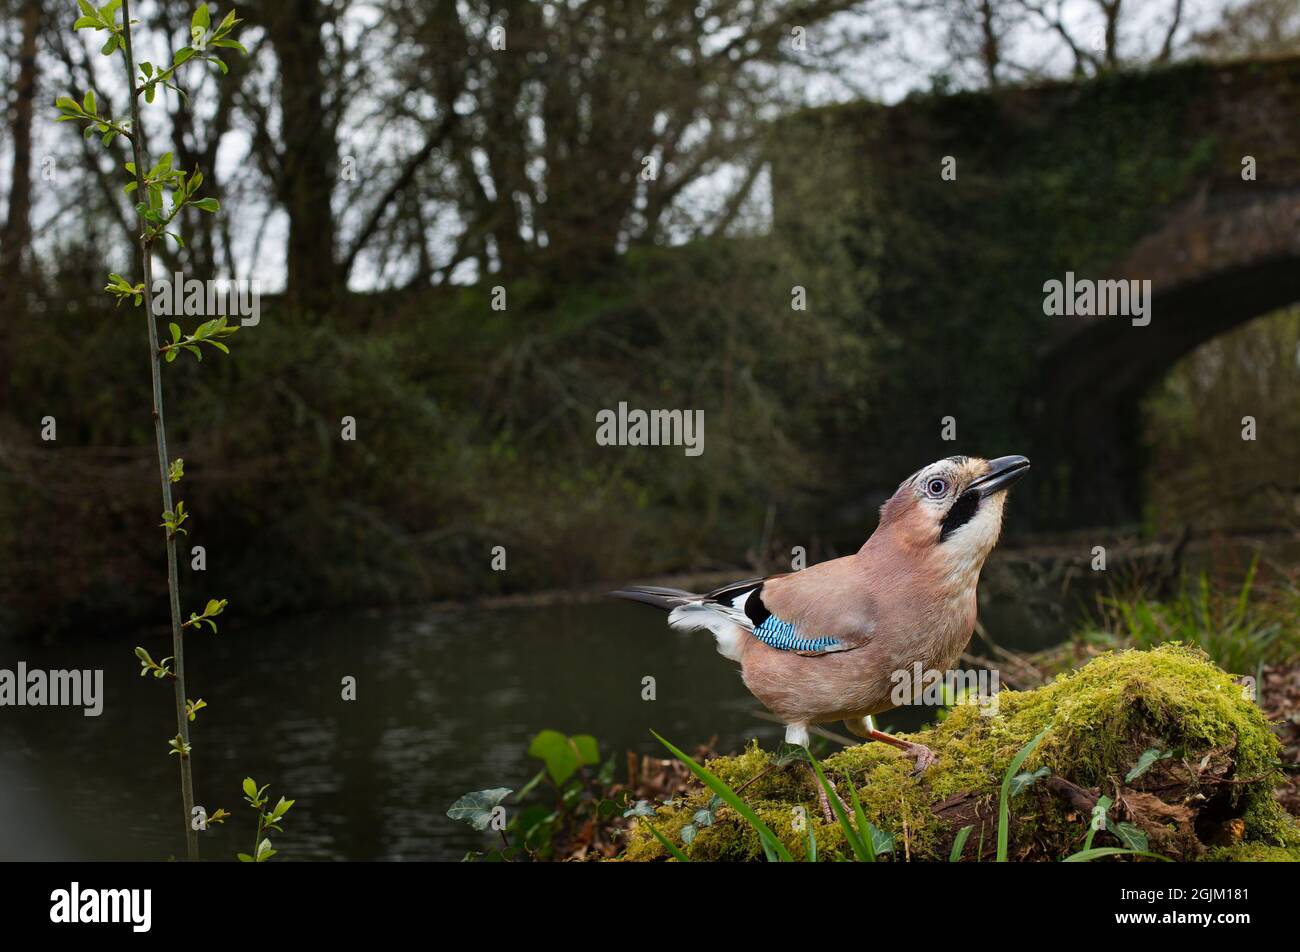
(1211, 799)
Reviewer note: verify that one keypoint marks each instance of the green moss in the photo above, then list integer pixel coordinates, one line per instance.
(1103, 716)
(1252, 853)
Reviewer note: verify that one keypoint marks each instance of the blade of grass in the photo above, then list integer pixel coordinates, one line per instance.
(959, 844)
(1004, 802)
(860, 849)
(1087, 856)
(865, 830)
(676, 853)
(771, 844)
(1243, 599)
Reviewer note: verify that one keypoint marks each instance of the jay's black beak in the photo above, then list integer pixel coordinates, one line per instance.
(1003, 471)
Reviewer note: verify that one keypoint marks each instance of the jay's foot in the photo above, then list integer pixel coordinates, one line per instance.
(922, 755)
(828, 813)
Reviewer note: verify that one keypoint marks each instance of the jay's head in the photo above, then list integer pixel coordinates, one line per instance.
(952, 510)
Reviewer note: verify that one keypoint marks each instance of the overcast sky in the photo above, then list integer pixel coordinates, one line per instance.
(909, 51)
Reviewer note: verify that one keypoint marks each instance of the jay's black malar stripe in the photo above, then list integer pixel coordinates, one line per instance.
(962, 511)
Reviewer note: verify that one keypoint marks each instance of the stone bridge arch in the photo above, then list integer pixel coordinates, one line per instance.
(1215, 265)
(1136, 176)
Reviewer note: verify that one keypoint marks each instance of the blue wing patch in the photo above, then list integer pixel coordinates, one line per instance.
(782, 636)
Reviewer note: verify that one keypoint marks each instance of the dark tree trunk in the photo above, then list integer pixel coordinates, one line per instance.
(308, 152)
(15, 238)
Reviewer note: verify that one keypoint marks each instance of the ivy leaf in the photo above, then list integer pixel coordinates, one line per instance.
(1023, 781)
(476, 808)
(881, 841)
(588, 750)
(1131, 836)
(641, 808)
(1145, 762)
(557, 752)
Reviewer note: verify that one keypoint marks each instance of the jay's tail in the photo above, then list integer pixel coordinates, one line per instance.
(715, 612)
(664, 598)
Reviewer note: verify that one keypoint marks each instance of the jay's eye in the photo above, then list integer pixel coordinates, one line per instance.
(936, 488)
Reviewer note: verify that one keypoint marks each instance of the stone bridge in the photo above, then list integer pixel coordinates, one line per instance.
(958, 209)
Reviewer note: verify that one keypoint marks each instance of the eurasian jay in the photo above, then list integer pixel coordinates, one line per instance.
(828, 643)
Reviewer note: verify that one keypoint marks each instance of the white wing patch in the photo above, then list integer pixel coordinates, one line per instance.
(729, 624)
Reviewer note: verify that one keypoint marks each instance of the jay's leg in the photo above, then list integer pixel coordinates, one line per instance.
(798, 734)
(828, 814)
(922, 755)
